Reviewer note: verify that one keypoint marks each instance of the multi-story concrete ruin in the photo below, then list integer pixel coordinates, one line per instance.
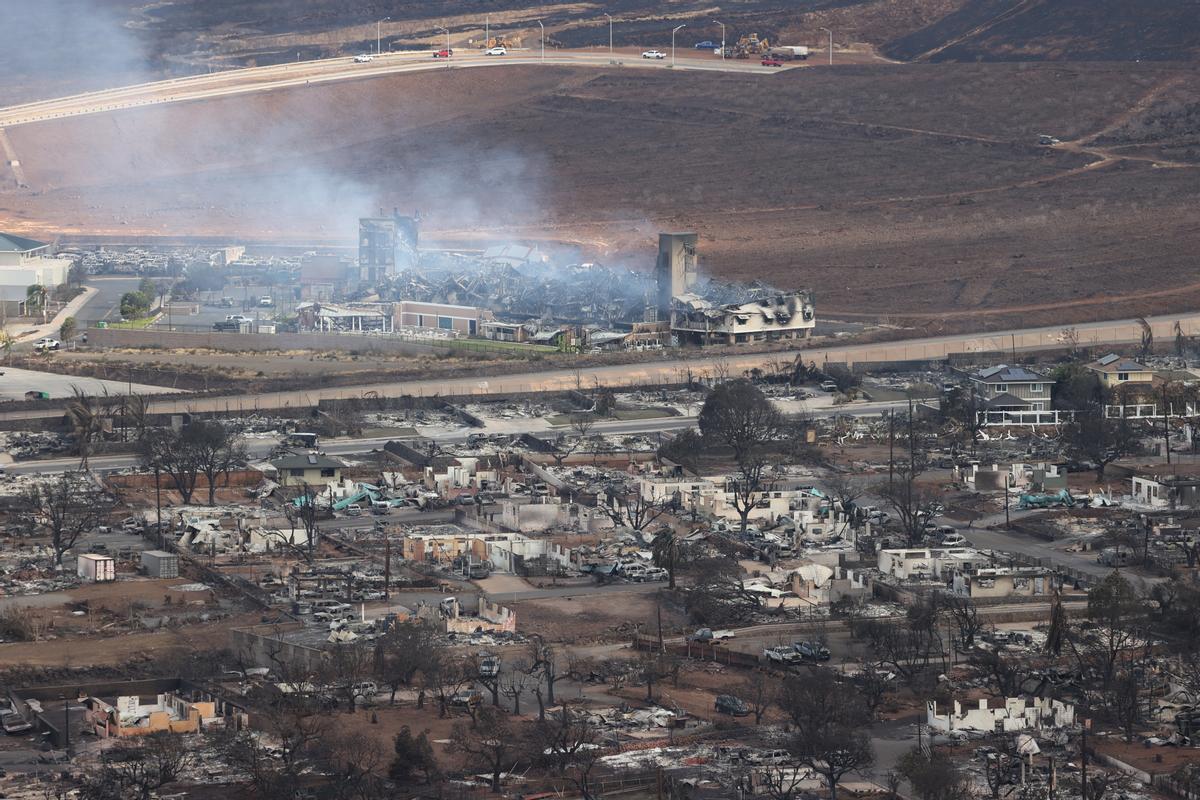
(386, 245)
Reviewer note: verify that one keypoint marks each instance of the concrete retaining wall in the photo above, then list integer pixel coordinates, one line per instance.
(256, 342)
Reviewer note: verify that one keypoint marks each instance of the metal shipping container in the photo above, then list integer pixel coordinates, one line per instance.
(160, 564)
(96, 568)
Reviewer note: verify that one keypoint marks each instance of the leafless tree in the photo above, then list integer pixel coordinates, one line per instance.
(828, 722)
(66, 507)
(569, 745)
(139, 768)
(515, 684)
(491, 742)
(402, 653)
(759, 692)
(627, 506)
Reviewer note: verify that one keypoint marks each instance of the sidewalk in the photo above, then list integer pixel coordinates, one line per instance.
(51, 328)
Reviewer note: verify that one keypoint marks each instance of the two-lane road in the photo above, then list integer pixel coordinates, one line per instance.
(306, 73)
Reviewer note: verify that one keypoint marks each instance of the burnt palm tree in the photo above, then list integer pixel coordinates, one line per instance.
(86, 416)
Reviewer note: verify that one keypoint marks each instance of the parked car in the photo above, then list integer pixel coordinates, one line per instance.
(734, 706)
(771, 61)
(813, 651)
(495, 51)
(443, 53)
(654, 54)
(364, 58)
(354, 510)
(829, 386)
(47, 344)
(227, 326)
(489, 666)
(706, 45)
(954, 540)
(467, 698)
(782, 655)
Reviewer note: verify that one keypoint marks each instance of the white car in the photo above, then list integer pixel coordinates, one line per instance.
(364, 58)
(47, 344)
(495, 51)
(654, 54)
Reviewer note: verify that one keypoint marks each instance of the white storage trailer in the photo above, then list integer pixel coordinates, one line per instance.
(160, 564)
(791, 52)
(96, 568)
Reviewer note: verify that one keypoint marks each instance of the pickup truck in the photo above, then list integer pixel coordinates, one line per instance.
(709, 635)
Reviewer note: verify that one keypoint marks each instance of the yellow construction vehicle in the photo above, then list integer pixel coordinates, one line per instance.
(500, 41)
(750, 46)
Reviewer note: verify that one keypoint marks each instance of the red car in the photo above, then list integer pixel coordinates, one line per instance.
(772, 62)
(443, 54)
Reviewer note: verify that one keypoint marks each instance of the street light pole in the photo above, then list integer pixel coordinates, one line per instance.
(487, 31)
(610, 23)
(673, 32)
(722, 24)
(543, 27)
(830, 45)
(378, 40)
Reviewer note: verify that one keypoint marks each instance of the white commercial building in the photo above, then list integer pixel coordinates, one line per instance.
(25, 263)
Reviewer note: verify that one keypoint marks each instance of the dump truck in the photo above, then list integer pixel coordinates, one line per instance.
(789, 53)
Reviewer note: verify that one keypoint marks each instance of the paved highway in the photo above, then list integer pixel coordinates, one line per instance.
(711, 363)
(281, 76)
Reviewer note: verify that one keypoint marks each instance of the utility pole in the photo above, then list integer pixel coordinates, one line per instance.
(543, 27)
(487, 31)
(1083, 778)
(1007, 521)
(158, 502)
(1166, 423)
(387, 565)
(722, 24)
(891, 446)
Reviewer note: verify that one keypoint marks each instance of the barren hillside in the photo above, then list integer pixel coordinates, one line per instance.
(909, 190)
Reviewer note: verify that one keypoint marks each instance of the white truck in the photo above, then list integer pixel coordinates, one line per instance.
(794, 53)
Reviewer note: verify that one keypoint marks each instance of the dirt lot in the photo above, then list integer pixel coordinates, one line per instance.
(119, 650)
(599, 617)
(890, 190)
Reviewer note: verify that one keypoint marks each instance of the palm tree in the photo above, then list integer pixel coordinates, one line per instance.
(665, 550)
(6, 344)
(87, 419)
(35, 297)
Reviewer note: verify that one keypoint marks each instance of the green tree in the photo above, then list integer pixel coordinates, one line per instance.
(134, 305)
(1076, 388)
(67, 329)
(414, 758)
